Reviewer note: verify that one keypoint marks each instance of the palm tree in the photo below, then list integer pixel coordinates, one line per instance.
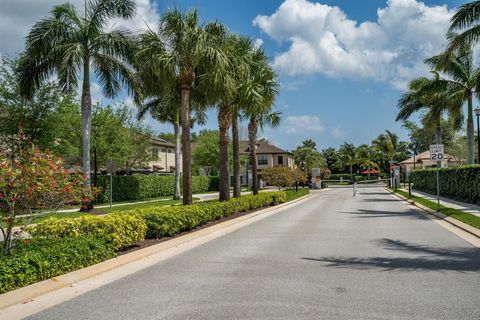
(188, 55)
(427, 95)
(261, 88)
(367, 158)
(67, 43)
(257, 120)
(390, 147)
(348, 156)
(466, 21)
(457, 74)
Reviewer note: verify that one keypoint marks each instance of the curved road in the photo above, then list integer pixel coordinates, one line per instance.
(330, 257)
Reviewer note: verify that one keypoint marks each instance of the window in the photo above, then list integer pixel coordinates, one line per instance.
(262, 160)
(280, 160)
(169, 150)
(163, 150)
(154, 154)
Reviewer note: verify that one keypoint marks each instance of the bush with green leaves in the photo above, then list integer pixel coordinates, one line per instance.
(459, 183)
(121, 230)
(168, 221)
(127, 188)
(40, 259)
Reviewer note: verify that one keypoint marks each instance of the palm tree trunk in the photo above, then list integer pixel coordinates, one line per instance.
(236, 156)
(438, 137)
(470, 142)
(176, 129)
(252, 139)
(223, 172)
(186, 148)
(351, 172)
(86, 110)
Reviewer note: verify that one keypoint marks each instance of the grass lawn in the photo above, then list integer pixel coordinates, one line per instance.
(292, 194)
(463, 216)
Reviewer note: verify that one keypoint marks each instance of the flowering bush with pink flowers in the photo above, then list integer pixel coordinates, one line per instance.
(34, 180)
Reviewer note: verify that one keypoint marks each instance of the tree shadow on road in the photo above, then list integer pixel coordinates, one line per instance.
(423, 258)
(364, 213)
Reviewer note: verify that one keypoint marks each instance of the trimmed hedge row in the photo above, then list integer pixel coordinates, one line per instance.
(41, 259)
(169, 221)
(149, 186)
(59, 246)
(120, 230)
(459, 183)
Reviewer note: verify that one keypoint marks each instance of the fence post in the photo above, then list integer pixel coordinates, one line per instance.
(409, 188)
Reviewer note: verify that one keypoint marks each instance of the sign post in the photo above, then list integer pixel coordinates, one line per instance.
(110, 170)
(437, 154)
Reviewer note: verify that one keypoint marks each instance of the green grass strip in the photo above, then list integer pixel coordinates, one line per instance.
(460, 215)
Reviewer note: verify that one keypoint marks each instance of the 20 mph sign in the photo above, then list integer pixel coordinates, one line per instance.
(436, 152)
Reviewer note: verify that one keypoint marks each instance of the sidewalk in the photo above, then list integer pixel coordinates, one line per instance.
(466, 207)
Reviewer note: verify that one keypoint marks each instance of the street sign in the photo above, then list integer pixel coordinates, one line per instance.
(436, 152)
(111, 166)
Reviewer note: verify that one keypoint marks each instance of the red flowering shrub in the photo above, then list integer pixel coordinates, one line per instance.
(35, 180)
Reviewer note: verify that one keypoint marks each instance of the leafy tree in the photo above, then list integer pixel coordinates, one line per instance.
(390, 148)
(167, 136)
(331, 157)
(34, 179)
(307, 157)
(348, 155)
(206, 154)
(68, 42)
(47, 119)
(466, 21)
(280, 177)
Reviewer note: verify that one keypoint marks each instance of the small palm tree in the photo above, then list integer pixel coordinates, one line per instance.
(348, 155)
(367, 157)
(67, 43)
(189, 55)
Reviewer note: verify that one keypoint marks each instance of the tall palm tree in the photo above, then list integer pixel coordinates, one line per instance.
(67, 43)
(262, 87)
(466, 20)
(188, 55)
(458, 75)
(390, 147)
(348, 155)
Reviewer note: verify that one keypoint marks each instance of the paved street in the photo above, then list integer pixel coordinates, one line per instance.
(330, 257)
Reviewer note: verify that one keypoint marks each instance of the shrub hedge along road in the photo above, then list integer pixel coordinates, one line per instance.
(144, 187)
(42, 259)
(59, 246)
(459, 183)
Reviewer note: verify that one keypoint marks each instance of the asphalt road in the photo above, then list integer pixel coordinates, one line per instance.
(331, 257)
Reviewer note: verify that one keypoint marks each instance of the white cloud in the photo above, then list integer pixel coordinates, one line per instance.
(338, 133)
(18, 16)
(303, 124)
(322, 39)
(258, 43)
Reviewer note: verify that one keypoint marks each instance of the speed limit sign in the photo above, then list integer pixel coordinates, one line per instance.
(436, 152)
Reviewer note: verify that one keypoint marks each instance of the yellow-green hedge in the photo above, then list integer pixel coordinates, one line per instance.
(121, 230)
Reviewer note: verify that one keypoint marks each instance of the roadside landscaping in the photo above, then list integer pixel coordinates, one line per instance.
(462, 216)
(59, 246)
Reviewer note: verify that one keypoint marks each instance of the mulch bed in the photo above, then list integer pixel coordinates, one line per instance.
(150, 242)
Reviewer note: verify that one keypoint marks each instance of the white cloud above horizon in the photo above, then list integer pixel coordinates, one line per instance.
(18, 16)
(303, 124)
(322, 39)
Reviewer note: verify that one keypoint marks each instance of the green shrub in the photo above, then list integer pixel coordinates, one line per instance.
(42, 259)
(168, 221)
(459, 183)
(121, 230)
(127, 188)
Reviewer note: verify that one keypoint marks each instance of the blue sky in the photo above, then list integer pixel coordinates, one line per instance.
(342, 64)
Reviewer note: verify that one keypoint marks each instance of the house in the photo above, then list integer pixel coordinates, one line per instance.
(163, 156)
(268, 156)
(422, 161)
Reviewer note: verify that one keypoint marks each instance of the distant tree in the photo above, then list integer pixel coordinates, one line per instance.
(206, 154)
(167, 136)
(331, 157)
(390, 148)
(368, 158)
(307, 157)
(280, 177)
(348, 155)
